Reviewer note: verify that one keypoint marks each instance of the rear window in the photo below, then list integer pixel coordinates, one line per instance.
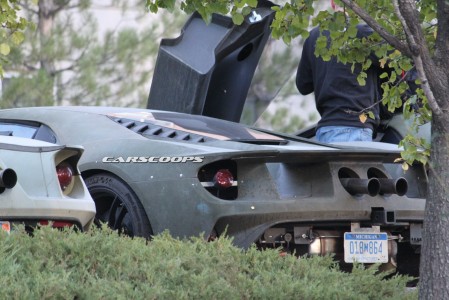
(17, 130)
(27, 129)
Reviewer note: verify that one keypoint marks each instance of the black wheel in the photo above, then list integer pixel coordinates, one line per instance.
(118, 206)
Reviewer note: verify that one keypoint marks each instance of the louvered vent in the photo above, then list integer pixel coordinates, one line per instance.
(148, 129)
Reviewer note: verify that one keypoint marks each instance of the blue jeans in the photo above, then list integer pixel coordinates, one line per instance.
(333, 134)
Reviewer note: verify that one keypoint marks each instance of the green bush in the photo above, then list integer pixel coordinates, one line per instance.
(56, 264)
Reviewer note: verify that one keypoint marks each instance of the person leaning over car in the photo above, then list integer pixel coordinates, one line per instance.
(338, 95)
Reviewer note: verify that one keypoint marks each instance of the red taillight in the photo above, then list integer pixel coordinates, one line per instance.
(223, 178)
(65, 176)
(56, 224)
(220, 178)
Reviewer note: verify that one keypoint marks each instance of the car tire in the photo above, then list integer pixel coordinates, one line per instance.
(118, 206)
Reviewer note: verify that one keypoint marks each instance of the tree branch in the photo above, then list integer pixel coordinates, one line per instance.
(69, 68)
(412, 30)
(29, 67)
(419, 50)
(27, 7)
(65, 6)
(391, 39)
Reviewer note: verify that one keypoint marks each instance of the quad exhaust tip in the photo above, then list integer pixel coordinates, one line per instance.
(358, 186)
(8, 179)
(397, 186)
(375, 186)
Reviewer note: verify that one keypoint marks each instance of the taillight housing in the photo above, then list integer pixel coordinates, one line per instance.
(220, 179)
(66, 179)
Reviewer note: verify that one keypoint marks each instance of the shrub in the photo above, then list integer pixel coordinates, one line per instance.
(99, 264)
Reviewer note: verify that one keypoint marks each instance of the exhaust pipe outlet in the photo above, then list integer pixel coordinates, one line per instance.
(358, 186)
(397, 186)
(8, 179)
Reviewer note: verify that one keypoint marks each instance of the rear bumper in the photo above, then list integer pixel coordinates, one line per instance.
(23, 207)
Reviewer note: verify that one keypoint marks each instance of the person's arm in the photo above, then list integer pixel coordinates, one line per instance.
(304, 76)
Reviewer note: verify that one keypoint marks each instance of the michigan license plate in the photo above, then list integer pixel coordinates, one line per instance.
(366, 247)
(6, 226)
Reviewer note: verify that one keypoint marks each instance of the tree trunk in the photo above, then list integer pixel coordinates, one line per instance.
(434, 268)
(45, 26)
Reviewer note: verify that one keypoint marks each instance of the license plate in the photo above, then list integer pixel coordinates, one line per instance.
(6, 226)
(366, 247)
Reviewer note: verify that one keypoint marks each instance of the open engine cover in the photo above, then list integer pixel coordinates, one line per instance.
(208, 69)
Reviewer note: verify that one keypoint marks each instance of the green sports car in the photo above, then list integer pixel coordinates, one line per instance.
(149, 171)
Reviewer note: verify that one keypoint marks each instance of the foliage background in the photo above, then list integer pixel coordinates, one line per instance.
(104, 53)
(11, 29)
(85, 53)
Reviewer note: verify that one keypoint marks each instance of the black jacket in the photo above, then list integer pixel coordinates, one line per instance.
(336, 87)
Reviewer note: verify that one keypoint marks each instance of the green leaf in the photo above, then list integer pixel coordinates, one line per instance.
(305, 34)
(4, 49)
(287, 39)
(361, 80)
(352, 32)
(371, 115)
(239, 4)
(238, 19)
(246, 10)
(321, 42)
(326, 57)
(252, 3)
(153, 8)
(17, 37)
(393, 77)
(367, 64)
